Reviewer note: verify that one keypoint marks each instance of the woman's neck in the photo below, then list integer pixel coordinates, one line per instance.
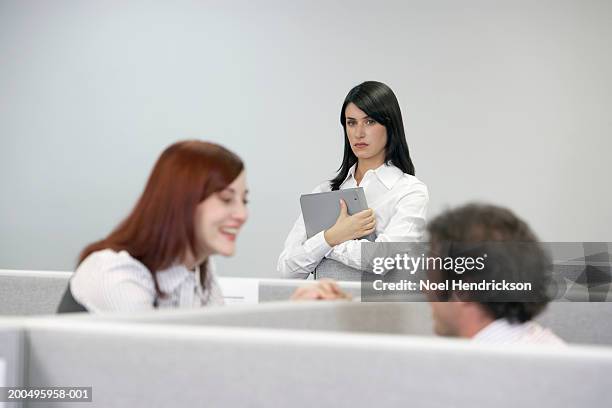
(190, 261)
(363, 165)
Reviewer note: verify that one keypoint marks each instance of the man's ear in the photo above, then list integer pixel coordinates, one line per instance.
(471, 308)
(459, 306)
(455, 297)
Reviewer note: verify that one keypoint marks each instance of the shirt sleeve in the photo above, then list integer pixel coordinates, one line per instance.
(300, 255)
(406, 225)
(112, 284)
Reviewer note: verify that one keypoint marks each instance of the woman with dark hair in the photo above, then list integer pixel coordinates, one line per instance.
(376, 157)
(192, 207)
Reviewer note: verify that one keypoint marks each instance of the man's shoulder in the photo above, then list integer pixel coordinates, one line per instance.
(502, 331)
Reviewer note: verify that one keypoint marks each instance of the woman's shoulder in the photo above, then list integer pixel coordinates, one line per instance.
(411, 191)
(108, 280)
(409, 182)
(107, 263)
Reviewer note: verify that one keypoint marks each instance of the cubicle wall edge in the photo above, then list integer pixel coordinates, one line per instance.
(185, 365)
(13, 352)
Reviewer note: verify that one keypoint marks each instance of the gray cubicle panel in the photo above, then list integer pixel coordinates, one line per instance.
(159, 366)
(12, 356)
(24, 293)
(39, 292)
(580, 322)
(332, 269)
(341, 316)
(274, 290)
(576, 322)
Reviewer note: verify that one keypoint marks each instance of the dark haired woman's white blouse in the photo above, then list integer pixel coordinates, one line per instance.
(399, 201)
(109, 281)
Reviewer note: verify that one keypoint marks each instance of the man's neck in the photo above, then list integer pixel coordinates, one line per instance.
(473, 326)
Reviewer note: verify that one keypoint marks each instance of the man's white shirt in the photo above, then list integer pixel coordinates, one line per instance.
(501, 331)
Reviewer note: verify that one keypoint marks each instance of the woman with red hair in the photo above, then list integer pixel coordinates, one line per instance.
(192, 207)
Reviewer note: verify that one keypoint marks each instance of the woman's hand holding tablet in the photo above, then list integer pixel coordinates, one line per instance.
(349, 227)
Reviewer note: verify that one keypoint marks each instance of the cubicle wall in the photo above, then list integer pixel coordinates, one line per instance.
(27, 293)
(581, 323)
(31, 292)
(159, 365)
(340, 316)
(12, 357)
(298, 354)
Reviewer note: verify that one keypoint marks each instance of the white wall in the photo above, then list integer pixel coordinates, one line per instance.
(503, 101)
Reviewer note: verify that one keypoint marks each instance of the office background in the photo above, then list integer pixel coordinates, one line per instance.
(504, 101)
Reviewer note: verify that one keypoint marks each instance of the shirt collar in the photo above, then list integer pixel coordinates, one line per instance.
(388, 174)
(171, 278)
(351, 173)
(504, 330)
(499, 325)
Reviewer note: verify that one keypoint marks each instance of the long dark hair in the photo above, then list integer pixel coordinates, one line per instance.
(160, 228)
(378, 101)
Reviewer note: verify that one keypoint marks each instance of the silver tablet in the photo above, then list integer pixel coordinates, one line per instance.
(321, 210)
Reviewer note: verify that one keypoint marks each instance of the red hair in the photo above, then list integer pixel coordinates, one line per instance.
(160, 228)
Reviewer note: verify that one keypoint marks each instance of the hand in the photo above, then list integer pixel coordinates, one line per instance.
(349, 227)
(325, 289)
